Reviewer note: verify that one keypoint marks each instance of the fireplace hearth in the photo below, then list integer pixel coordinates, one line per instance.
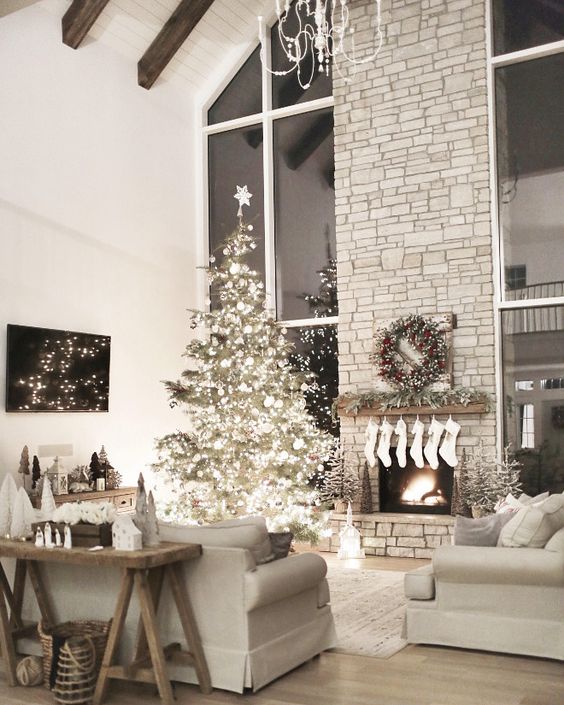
(415, 490)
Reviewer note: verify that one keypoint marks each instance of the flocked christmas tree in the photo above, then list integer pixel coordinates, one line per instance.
(252, 446)
(340, 480)
(483, 480)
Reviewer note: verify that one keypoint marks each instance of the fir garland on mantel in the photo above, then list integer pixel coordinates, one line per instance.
(352, 403)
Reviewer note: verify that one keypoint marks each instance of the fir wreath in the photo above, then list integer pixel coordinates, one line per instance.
(399, 369)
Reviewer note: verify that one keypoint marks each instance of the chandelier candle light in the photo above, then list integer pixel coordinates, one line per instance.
(322, 27)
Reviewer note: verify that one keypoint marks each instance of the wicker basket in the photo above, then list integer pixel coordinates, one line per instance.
(53, 638)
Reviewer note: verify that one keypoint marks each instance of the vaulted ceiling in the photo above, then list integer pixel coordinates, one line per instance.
(193, 43)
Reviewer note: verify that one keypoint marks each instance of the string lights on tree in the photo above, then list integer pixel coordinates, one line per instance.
(253, 446)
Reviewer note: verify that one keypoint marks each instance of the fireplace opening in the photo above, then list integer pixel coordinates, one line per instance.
(415, 490)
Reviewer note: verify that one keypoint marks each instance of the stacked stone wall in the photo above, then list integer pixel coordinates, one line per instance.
(412, 194)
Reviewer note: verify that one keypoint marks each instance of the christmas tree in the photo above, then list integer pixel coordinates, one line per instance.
(252, 446)
(317, 349)
(484, 480)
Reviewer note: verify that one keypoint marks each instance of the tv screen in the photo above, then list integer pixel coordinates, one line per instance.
(56, 370)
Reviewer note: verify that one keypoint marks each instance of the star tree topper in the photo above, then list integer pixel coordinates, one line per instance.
(244, 198)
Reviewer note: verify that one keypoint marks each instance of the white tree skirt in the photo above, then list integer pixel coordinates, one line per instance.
(369, 608)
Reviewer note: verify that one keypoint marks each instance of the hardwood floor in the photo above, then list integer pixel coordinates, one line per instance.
(418, 675)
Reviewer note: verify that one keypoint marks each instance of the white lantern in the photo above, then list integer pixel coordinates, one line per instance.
(350, 539)
(58, 477)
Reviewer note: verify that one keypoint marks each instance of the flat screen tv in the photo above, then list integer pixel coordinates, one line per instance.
(56, 370)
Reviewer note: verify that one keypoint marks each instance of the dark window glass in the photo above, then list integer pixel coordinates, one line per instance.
(235, 159)
(516, 276)
(286, 90)
(316, 351)
(530, 143)
(533, 345)
(304, 198)
(520, 24)
(243, 95)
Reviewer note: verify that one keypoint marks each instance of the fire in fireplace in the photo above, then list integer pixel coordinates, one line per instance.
(415, 490)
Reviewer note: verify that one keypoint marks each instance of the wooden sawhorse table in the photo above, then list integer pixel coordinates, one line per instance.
(143, 571)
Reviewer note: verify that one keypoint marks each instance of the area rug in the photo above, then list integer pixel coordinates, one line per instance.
(368, 607)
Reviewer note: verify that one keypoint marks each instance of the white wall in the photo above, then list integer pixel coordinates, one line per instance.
(97, 230)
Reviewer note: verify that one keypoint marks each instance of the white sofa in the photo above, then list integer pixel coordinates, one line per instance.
(256, 622)
(492, 598)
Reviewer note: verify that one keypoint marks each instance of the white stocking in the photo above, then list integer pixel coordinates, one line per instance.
(447, 451)
(401, 432)
(371, 435)
(383, 452)
(431, 447)
(416, 450)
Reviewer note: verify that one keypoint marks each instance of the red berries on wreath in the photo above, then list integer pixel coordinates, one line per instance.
(406, 371)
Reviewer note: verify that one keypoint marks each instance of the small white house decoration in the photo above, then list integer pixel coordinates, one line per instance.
(58, 477)
(125, 535)
(350, 539)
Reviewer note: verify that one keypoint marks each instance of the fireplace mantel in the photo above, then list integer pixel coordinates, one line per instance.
(471, 408)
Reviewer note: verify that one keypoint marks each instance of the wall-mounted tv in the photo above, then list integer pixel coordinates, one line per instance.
(56, 370)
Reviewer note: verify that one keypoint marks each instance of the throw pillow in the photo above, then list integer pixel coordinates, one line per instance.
(479, 532)
(512, 504)
(533, 525)
(280, 542)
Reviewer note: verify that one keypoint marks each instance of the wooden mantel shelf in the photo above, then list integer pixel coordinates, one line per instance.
(454, 409)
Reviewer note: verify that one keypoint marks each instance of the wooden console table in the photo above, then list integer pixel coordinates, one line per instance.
(145, 570)
(122, 497)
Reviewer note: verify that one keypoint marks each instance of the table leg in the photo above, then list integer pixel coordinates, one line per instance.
(153, 638)
(6, 642)
(19, 587)
(156, 578)
(114, 636)
(15, 614)
(40, 593)
(184, 607)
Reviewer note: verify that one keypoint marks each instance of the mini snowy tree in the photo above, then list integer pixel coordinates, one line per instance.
(24, 463)
(35, 472)
(340, 481)
(253, 446)
(484, 479)
(366, 506)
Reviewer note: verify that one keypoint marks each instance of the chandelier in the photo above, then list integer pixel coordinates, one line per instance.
(322, 30)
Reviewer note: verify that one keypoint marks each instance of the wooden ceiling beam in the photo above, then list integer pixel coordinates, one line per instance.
(78, 20)
(169, 40)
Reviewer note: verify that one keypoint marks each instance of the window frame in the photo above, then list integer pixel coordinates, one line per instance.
(501, 303)
(266, 118)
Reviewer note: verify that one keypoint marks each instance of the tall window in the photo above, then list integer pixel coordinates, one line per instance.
(266, 132)
(527, 75)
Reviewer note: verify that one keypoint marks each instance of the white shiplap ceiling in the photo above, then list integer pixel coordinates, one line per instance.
(210, 52)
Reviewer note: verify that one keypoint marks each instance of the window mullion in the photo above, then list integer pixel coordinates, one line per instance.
(268, 175)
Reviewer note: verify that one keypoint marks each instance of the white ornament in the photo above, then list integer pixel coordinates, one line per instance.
(269, 401)
(250, 361)
(247, 330)
(298, 443)
(244, 198)
(283, 455)
(278, 404)
(240, 306)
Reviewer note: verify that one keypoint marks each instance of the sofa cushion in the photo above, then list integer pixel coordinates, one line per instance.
(512, 504)
(533, 526)
(419, 584)
(246, 536)
(556, 542)
(479, 532)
